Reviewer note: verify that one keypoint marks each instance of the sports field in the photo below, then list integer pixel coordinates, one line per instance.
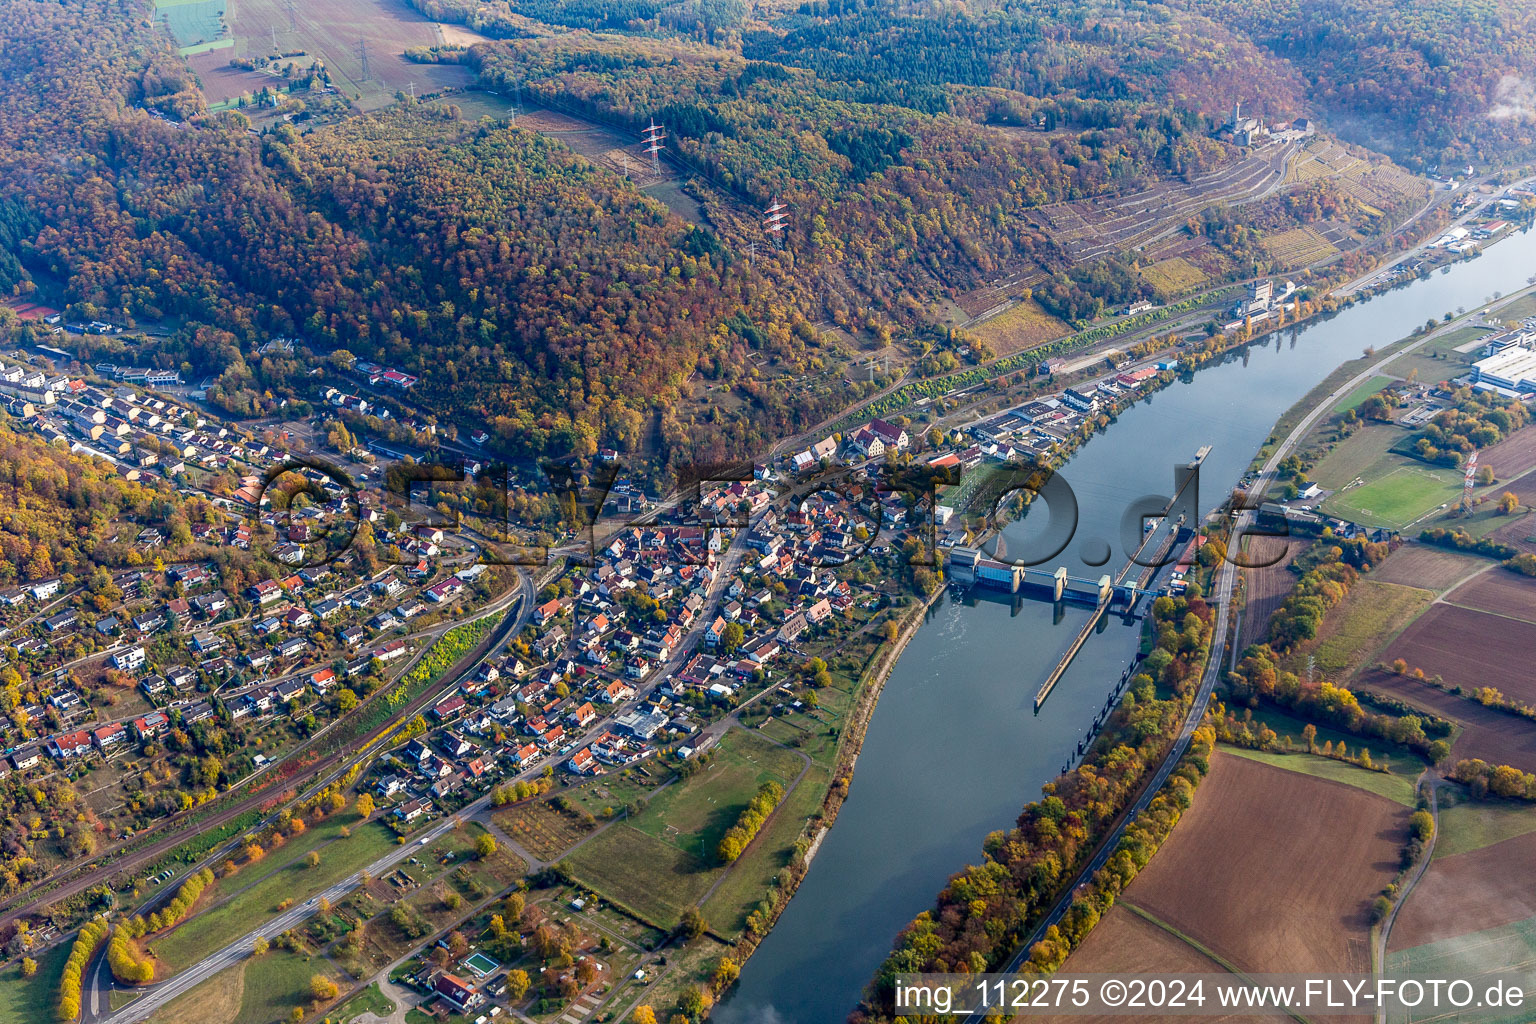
(1397, 499)
(1355, 456)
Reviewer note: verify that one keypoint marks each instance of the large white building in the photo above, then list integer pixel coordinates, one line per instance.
(1511, 372)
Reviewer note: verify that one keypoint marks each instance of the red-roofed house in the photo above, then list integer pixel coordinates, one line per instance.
(69, 744)
(455, 989)
(109, 735)
(452, 706)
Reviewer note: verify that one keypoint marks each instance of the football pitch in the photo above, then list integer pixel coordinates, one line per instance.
(1397, 499)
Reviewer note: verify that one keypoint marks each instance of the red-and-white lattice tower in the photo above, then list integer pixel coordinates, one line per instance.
(776, 221)
(655, 137)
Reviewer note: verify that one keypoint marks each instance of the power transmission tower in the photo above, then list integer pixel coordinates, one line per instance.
(362, 47)
(654, 138)
(776, 221)
(293, 22)
(751, 248)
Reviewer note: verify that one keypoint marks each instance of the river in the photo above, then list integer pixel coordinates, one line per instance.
(954, 748)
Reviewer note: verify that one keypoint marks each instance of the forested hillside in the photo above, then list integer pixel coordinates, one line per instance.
(1428, 81)
(528, 288)
(894, 204)
(63, 513)
(543, 296)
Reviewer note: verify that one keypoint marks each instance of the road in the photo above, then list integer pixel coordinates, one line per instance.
(337, 763)
(1476, 213)
(1226, 580)
(156, 996)
(1385, 931)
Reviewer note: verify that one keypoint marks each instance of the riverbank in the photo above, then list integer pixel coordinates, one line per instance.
(872, 681)
(956, 744)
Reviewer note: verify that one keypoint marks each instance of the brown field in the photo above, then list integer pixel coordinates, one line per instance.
(333, 31)
(1514, 455)
(1418, 565)
(1266, 588)
(1520, 533)
(1273, 870)
(1495, 736)
(1470, 648)
(1500, 592)
(1469, 892)
(1124, 943)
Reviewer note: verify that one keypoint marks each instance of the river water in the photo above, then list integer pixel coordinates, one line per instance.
(954, 748)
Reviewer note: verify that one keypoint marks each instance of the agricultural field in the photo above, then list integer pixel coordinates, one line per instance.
(1351, 633)
(1395, 786)
(1518, 532)
(1467, 825)
(1495, 736)
(754, 873)
(1419, 565)
(1298, 247)
(542, 830)
(1469, 892)
(1266, 588)
(194, 23)
(663, 860)
(693, 814)
(335, 32)
(1090, 228)
(1374, 184)
(1125, 942)
(1173, 276)
(1471, 955)
(1304, 855)
(1470, 648)
(1397, 499)
(1512, 457)
(1021, 326)
(652, 879)
(1499, 592)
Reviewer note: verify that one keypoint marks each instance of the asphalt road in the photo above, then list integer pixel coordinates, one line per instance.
(1222, 597)
(157, 996)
